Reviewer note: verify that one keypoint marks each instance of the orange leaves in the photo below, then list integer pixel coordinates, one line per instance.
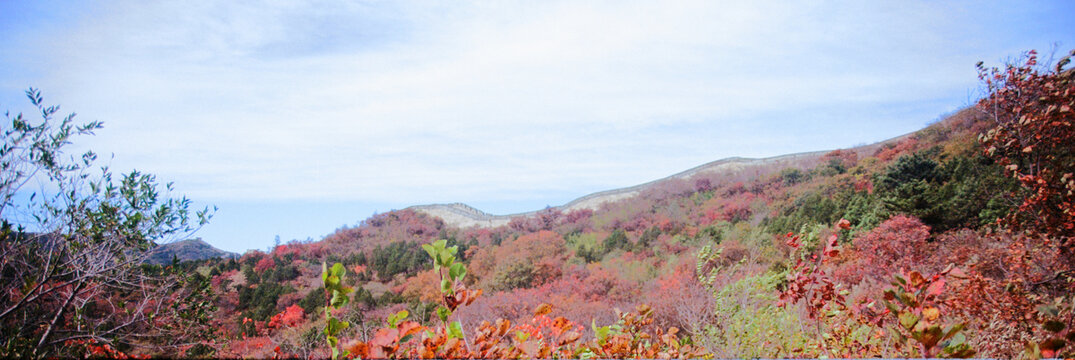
(832, 247)
(1033, 139)
(628, 339)
(568, 338)
(291, 316)
(461, 296)
(542, 310)
(386, 342)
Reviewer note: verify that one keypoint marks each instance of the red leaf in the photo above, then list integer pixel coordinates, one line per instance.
(936, 288)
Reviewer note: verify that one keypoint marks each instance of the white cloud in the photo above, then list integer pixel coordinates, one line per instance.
(378, 101)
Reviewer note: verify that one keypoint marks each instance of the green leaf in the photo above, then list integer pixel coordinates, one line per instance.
(334, 326)
(338, 270)
(443, 313)
(908, 320)
(1049, 310)
(908, 300)
(455, 330)
(953, 330)
(957, 339)
(446, 286)
(339, 299)
(394, 319)
(600, 332)
(457, 271)
(332, 281)
(892, 307)
(430, 250)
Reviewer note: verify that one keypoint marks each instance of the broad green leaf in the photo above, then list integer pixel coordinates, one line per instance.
(892, 307)
(953, 330)
(339, 299)
(446, 286)
(338, 270)
(334, 326)
(457, 271)
(443, 313)
(429, 250)
(455, 330)
(908, 320)
(956, 340)
(600, 332)
(394, 319)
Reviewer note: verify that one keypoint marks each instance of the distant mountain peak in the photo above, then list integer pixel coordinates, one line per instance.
(187, 250)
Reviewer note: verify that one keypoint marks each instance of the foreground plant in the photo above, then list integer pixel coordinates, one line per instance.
(337, 298)
(72, 269)
(912, 301)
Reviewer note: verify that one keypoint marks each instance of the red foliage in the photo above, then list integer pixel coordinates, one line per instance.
(847, 158)
(807, 281)
(899, 241)
(578, 216)
(1035, 115)
(736, 206)
(904, 146)
(291, 316)
(264, 264)
(703, 184)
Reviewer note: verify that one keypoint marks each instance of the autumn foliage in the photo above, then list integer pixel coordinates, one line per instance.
(1034, 110)
(940, 243)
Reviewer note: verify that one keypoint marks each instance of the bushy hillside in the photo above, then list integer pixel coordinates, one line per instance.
(884, 250)
(953, 241)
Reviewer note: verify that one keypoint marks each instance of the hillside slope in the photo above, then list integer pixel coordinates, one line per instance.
(463, 216)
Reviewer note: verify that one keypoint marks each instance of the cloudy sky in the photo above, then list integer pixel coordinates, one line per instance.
(298, 117)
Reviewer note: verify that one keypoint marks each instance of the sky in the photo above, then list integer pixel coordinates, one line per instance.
(296, 118)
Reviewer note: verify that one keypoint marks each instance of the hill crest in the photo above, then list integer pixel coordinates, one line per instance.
(463, 216)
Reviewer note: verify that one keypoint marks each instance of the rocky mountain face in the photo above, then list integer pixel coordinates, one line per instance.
(187, 250)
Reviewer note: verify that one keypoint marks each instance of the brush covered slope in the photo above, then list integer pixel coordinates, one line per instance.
(928, 245)
(953, 241)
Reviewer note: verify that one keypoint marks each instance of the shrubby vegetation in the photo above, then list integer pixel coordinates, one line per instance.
(954, 241)
(72, 258)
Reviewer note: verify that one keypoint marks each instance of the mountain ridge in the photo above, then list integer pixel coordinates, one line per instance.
(464, 216)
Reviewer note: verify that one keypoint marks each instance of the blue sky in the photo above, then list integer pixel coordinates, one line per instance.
(296, 118)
